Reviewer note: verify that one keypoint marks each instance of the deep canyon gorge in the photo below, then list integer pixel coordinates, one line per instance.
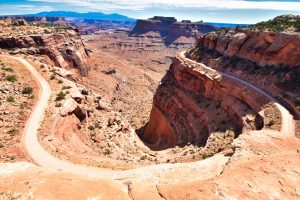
(173, 110)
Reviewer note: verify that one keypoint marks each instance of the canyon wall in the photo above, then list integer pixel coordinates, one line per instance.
(65, 49)
(270, 60)
(194, 101)
(12, 19)
(265, 49)
(170, 29)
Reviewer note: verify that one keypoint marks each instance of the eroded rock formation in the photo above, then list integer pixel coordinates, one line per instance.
(170, 29)
(267, 59)
(16, 19)
(193, 101)
(65, 48)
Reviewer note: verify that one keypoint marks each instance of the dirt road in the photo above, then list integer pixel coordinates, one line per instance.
(43, 158)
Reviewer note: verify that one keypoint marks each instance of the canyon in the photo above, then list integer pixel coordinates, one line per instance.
(62, 45)
(126, 113)
(172, 31)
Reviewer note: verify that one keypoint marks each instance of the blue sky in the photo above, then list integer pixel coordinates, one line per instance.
(228, 11)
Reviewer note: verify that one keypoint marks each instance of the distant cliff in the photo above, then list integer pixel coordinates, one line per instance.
(16, 18)
(170, 29)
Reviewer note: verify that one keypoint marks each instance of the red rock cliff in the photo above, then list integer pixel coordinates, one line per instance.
(269, 60)
(65, 49)
(189, 102)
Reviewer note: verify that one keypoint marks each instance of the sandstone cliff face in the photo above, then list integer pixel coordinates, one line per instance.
(13, 19)
(65, 49)
(265, 49)
(269, 60)
(169, 29)
(193, 102)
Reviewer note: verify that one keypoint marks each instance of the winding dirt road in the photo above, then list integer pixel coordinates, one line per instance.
(43, 158)
(288, 124)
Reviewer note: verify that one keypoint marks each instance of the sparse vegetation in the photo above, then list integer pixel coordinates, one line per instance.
(7, 69)
(271, 123)
(12, 132)
(11, 78)
(27, 90)
(143, 157)
(107, 151)
(52, 77)
(66, 87)
(279, 24)
(60, 96)
(10, 99)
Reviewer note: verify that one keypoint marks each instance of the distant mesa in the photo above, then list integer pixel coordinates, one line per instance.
(22, 20)
(170, 29)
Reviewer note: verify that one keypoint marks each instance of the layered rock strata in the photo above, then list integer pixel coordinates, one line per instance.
(16, 19)
(179, 117)
(170, 29)
(268, 59)
(65, 49)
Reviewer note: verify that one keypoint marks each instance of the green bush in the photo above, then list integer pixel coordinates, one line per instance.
(107, 151)
(10, 99)
(23, 106)
(66, 87)
(11, 78)
(7, 69)
(12, 132)
(27, 90)
(60, 96)
(143, 157)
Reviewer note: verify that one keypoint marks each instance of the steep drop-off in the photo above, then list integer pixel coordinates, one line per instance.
(62, 45)
(190, 100)
(267, 59)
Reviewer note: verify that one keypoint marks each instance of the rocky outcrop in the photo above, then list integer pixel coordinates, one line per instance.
(169, 29)
(65, 49)
(270, 60)
(262, 49)
(15, 19)
(194, 101)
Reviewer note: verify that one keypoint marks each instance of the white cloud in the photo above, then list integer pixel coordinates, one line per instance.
(214, 4)
(6, 9)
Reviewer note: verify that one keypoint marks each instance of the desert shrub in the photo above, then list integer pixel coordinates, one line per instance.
(143, 157)
(271, 123)
(11, 78)
(107, 151)
(12, 132)
(91, 127)
(66, 87)
(60, 96)
(7, 69)
(23, 106)
(27, 90)
(10, 99)
(52, 77)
